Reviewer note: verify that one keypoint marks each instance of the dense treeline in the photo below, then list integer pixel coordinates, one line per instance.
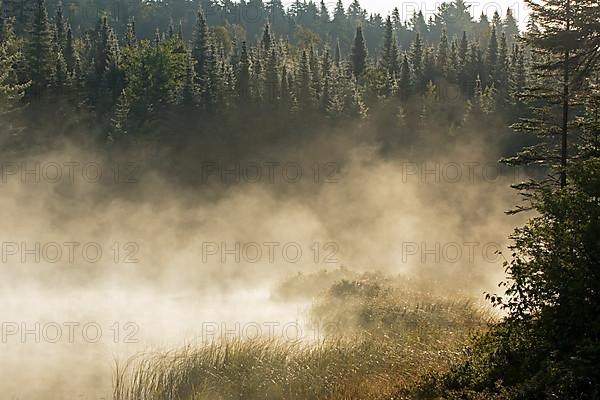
(445, 72)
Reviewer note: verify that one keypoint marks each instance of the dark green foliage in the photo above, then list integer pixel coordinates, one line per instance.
(359, 54)
(244, 72)
(38, 51)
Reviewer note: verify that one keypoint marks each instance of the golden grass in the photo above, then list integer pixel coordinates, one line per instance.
(386, 339)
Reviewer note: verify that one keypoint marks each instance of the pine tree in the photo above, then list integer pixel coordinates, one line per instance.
(354, 106)
(339, 14)
(315, 70)
(416, 60)
(491, 59)
(118, 122)
(503, 73)
(306, 95)
(464, 71)
(511, 28)
(405, 81)
(130, 37)
(212, 82)
(442, 56)
(59, 27)
(189, 90)
(497, 22)
(201, 48)
(338, 54)
(243, 75)
(475, 108)
(518, 76)
(323, 14)
(386, 52)
(359, 54)
(418, 24)
(267, 39)
(69, 50)
(453, 64)
(272, 80)
(101, 45)
(38, 51)
(560, 40)
(256, 77)
(394, 58)
(60, 76)
(286, 91)
(355, 11)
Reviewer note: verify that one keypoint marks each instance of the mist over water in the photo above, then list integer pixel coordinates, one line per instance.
(180, 263)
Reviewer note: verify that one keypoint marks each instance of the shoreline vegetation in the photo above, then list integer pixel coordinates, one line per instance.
(383, 338)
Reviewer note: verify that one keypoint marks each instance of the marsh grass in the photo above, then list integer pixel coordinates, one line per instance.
(386, 339)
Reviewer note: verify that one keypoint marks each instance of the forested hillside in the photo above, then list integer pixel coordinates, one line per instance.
(155, 68)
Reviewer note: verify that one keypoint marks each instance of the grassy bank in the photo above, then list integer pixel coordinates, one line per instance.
(382, 338)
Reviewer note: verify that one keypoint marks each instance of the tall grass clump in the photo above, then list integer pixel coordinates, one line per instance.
(380, 340)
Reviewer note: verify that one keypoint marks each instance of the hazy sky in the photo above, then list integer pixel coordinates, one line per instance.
(429, 7)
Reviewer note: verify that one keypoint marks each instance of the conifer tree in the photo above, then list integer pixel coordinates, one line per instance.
(267, 40)
(189, 91)
(339, 14)
(558, 42)
(118, 122)
(325, 98)
(69, 50)
(201, 48)
(453, 64)
(60, 76)
(416, 60)
(324, 14)
(503, 73)
(464, 71)
(497, 22)
(518, 76)
(101, 46)
(354, 106)
(243, 75)
(510, 27)
(272, 80)
(404, 86)
(286, 91)
(130, 36)
(306, 93)
(355, 11)
(429, 74)
(338, 54)
(315, 70)
(475, 105)
(59, 27)
(491, 59)
(442, 56)
(212, 82)
(386, 52)
(359, 54)
(38, 50)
